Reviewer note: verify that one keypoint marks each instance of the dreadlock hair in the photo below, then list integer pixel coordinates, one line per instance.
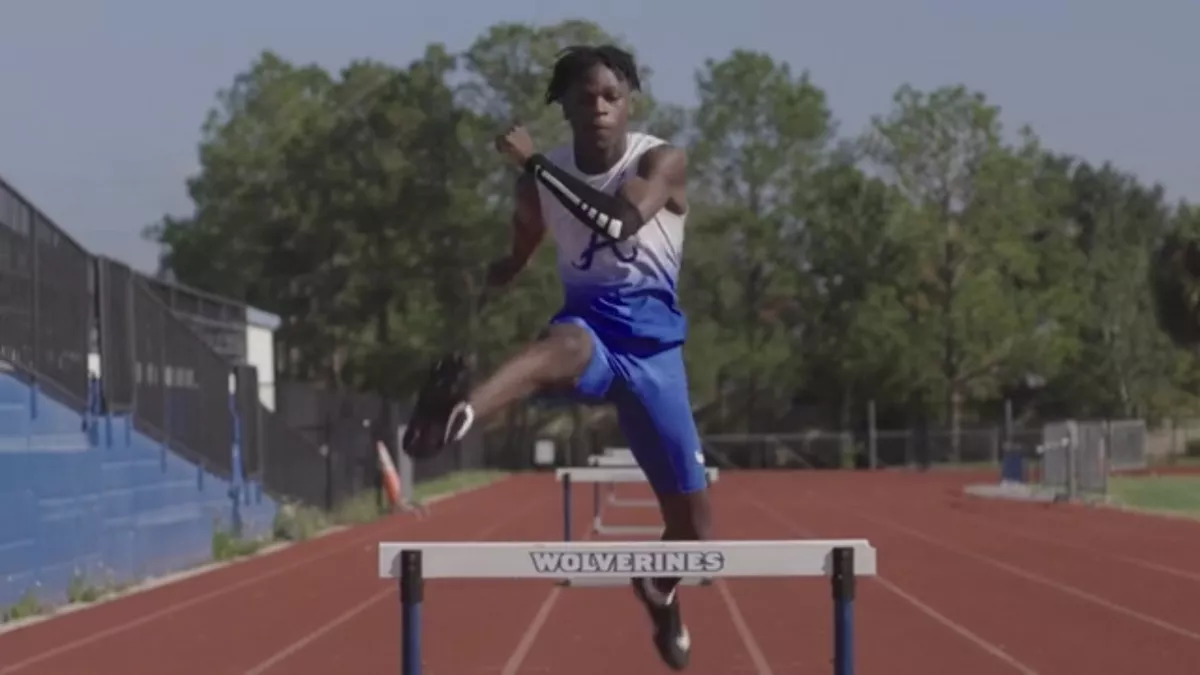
(574, 62)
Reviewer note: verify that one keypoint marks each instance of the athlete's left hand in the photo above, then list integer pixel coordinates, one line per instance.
(516, 145)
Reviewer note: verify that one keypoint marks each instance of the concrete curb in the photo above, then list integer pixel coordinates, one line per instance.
(1034, 495)
(151, 583)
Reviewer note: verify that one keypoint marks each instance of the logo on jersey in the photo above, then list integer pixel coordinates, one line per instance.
(600, 562)
(599, 243)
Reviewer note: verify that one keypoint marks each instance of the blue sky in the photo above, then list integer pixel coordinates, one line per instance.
(101, 100)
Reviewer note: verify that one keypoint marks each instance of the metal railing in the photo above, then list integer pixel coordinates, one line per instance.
(45, 300)
(164, 356)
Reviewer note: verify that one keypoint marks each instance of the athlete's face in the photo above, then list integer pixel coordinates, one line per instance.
(597, 107)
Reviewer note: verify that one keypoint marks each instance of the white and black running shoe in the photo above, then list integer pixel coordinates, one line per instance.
(441, 415)
(671, 637)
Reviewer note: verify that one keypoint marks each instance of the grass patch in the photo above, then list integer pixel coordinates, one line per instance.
(362, 508)
(26, 607)
(296, 522)
(81, 590)
(1177, 494)
(227, 546)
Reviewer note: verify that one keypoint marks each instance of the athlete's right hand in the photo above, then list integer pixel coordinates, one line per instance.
(515, 144)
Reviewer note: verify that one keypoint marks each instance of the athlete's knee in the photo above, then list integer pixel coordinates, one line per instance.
(687, 516)
(568, 350)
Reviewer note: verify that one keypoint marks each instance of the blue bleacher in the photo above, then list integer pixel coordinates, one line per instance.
(103, 501)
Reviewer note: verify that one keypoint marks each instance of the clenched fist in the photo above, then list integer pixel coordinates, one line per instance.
(516, 145)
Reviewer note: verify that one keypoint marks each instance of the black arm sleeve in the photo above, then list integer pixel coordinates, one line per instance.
(611, 216)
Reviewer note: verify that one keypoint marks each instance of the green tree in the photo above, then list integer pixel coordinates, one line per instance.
(758, 133)
(390, 231)
(849, 348)
(934, 265)
(336, 198)
(1123, 367)
(240, 146)
(981, 308)
(1174, 276)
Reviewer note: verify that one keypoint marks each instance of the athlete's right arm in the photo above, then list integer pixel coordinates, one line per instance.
(528, 231)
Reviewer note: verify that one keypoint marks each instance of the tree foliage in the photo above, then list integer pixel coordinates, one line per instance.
(936, 264)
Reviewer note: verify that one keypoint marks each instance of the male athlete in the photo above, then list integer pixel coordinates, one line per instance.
(615, 203)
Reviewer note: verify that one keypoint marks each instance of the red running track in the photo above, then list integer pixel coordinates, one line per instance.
(967, 587)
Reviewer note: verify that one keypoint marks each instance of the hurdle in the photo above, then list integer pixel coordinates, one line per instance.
(596, 475)
(617, 458)
(841, 560)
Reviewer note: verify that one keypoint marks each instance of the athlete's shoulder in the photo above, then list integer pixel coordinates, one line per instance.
(653, 149)
(664, 159)
(640, 142)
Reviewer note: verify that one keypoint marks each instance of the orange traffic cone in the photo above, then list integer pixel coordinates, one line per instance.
(391, 477)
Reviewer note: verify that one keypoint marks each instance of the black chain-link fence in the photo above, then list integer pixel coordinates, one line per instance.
(181, 386)
(45, 300)
(16, 279)
(344, 427)
(221, 322)
(62, 273)
(166, 355)
(249, 421)
(116, 331)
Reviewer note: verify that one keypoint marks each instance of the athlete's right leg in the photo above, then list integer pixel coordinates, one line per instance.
(566, 356)
(556, 361)
(656, 416)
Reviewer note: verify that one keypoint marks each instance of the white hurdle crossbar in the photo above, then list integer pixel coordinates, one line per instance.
(597, 476)
(842, 560)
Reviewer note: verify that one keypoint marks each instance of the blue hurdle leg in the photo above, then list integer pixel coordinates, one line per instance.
(412, 591)
(595, 502)
(843, 611)
(566, 483)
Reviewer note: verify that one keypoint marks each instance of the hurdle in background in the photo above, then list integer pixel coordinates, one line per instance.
(616, 458)
(595, 475)
(568, 476)
(839, 559)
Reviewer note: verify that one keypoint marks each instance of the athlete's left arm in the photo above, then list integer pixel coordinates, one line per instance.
(659, 183)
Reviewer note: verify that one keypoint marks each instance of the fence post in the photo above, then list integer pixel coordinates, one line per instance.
(236, 486)
(327, 447)
(872, 436)
(1105, 455)
(1008, 420)
(1072, 459)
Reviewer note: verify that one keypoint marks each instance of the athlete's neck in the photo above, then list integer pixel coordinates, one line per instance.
(594, 160)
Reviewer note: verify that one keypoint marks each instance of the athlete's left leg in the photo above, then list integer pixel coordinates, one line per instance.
(656, 418)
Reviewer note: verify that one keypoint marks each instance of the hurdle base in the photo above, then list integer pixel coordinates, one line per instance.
(589, 582)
